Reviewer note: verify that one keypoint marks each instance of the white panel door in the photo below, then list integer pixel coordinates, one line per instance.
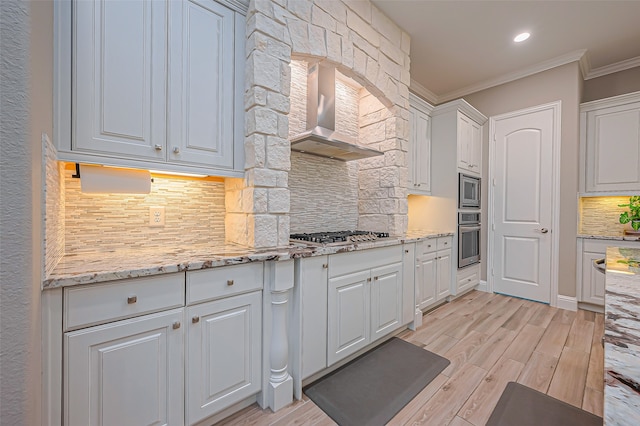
(120, 78)
(613, 148)
(523, 204)
(201, 101)
(313, 286)
(443, 288)
(593, 284)
(223, 354)
(386, 299)
(426, 280)
(126, 373)
(349, 316)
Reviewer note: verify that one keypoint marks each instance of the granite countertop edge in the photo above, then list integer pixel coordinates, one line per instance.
(102, 267)
(610, 237)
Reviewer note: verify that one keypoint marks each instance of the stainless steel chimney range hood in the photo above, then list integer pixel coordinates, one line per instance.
(321, 138)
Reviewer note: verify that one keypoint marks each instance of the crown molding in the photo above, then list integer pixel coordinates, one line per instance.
(568, 58)
(610, 69)
(419, 89)
(463, 106)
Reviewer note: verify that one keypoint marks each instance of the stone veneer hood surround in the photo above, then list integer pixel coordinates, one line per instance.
(363, 44)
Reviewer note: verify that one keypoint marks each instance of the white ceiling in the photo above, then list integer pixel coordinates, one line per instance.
(458, 47)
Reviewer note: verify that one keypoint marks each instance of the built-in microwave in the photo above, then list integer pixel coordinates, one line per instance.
(468, 192)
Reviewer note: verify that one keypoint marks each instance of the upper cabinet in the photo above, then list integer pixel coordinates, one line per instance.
(469, 144)
(419, 146)
(610, 144)
(151, 84)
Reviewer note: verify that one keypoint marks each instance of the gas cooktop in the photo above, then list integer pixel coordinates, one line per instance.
(337, 238)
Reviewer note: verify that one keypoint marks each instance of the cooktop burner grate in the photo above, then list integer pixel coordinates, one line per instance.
(339, 237)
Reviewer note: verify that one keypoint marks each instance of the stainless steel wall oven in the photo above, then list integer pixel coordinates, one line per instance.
(468, 192)
(468, 238)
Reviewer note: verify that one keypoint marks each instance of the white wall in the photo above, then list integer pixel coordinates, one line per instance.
(26, 33)
(618, 83)
(562, 83)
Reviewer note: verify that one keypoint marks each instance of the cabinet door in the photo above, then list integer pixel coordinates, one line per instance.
(426, 280)
(422, 157)
(475, 163)
(613, 148)
(119, 79)
(348, 315)
(444, 274)
(223, 354)
(592, 281)
(464, 142)
(201, 94)
(313, 285)
(126, 373)
(386, 299)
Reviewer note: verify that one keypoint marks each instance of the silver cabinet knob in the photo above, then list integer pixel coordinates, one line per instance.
(158, 147)
(542, 231)
(195, 320)
(176, 325)
(132, 299)
(176, 150)
(229, 282)
(325, 266)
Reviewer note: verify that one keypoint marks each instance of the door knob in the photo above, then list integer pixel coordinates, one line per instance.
(543, 230)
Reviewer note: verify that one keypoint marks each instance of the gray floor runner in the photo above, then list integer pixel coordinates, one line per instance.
(523, 406)
(371, 389)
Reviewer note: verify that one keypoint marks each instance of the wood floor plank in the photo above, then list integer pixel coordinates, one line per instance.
(308, 414)
(434, 327)
(543, 316)
(484, 398)
(442, 344)
(595, 372)
(519, 318)
(565, 317)
(538, 372)
(443, 406)
(599, 325)
(491, 351)
(409, 410)
(554, 338)
(461, 352)
(569, 379)
(254, 415)
(499, 317)
(585, 315)
(459, 421)
(475, 304)
(580, 335)
(496, 303)
(523, 345)
(472, 320)
(593, 401)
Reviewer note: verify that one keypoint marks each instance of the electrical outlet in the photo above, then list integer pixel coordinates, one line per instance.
(156, 216)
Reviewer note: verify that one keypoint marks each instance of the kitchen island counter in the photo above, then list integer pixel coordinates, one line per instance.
(101, 266)
(622, 338)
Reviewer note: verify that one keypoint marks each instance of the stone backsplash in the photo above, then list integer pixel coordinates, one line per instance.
(599, 216)
(53, 207)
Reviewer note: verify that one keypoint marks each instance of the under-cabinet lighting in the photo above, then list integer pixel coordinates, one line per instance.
(521, 37)
(162, 172)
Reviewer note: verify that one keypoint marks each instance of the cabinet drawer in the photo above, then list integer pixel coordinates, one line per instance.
(100, 303)
(469, 279)
(209, 284)
(428, 246)
(444, 243)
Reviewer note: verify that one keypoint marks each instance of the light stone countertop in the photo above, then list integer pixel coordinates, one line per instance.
(622, 338)
(89, 268)
(610, 237)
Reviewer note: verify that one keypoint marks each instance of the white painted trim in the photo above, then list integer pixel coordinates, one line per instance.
(613, 68)
(419, 89)
(482, 286)
(567, 302)
(51, 314)
(574, 56)
(464, 107)
(610, 102)
(420, 104)
(62, 74)
(555, 197)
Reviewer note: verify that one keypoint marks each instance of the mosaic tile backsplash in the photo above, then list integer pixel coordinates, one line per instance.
(194, 215)
(599, 216)
(53, 207)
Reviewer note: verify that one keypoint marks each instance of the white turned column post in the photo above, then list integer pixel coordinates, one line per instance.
(279, 390)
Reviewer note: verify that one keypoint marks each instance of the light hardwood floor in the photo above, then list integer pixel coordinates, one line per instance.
(490, 340)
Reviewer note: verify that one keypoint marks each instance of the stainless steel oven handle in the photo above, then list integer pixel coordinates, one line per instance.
(600, 265)
(465, 228)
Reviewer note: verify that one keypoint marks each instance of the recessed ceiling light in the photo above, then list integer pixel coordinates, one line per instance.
(521, 37)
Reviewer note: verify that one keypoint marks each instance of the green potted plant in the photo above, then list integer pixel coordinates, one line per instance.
(633, 215)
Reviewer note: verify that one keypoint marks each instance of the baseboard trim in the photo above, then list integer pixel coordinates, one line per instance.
(567, 302)
(482, 286)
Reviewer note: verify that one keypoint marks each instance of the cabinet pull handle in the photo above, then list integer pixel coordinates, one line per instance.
(229, 282)
(429, 246)
(176, 150)
(325, 266)
(195, 320)
(369, 279)
(406, 251)
(375, 278)
(158, 147)
(176, 325)
(132, 299)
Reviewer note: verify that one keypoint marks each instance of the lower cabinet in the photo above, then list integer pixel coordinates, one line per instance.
(363, 305)
(223, 354)
(127, 372)
(433, 271)
(467, 278)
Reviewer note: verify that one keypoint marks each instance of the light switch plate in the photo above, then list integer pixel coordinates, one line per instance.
(156, 216)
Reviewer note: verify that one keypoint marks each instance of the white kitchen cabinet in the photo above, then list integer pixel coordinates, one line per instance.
(154, 84)
(467, 278)
(420, 146)
(364, 299)
(469, 144)
(444, 265)
(128, 372)
(433, 271)
(223, 354)
(610, 144)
